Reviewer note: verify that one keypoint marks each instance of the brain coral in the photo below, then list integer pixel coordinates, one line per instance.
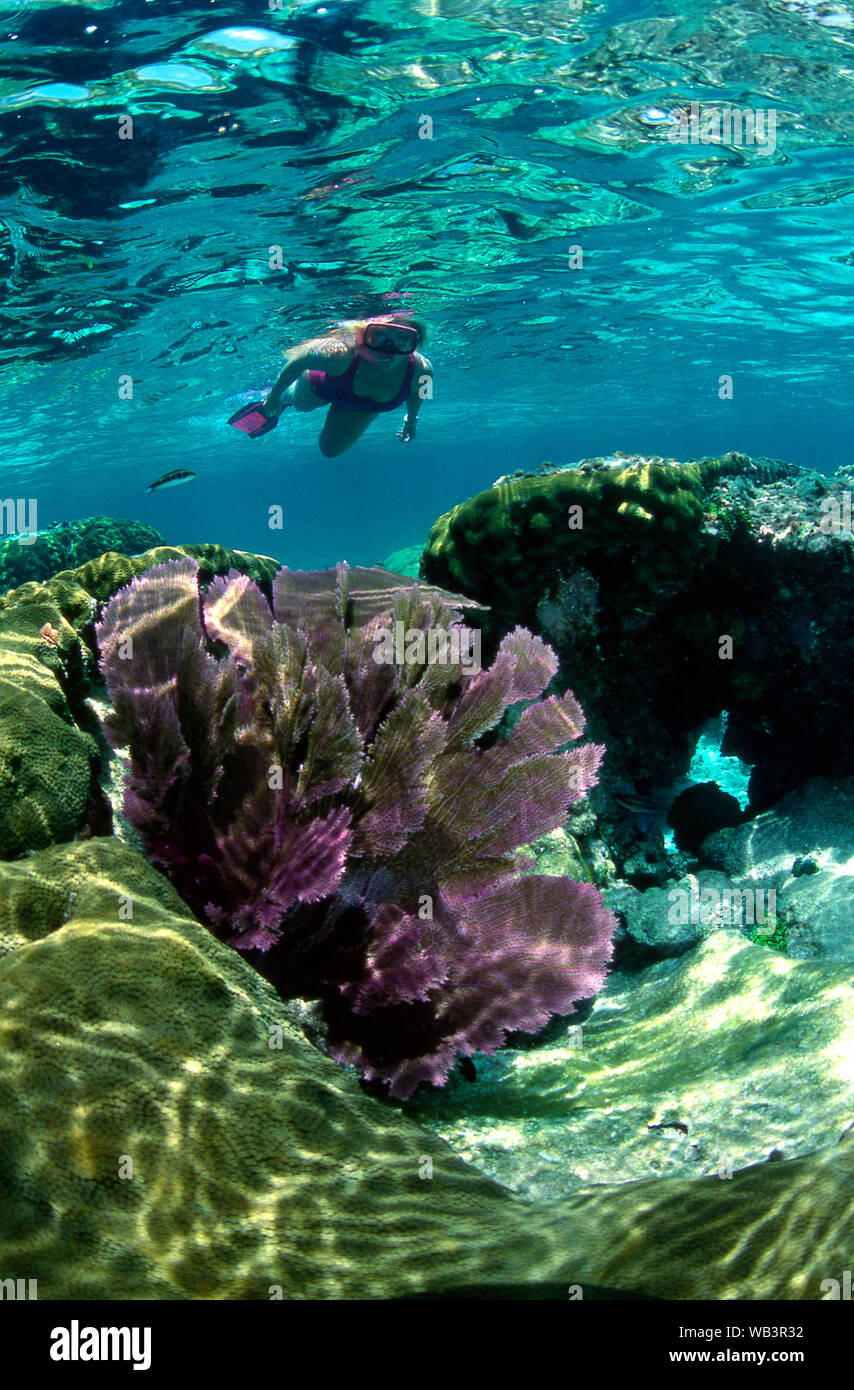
(47, 765)
(505, 539)
(70, 543)
(167, 1132)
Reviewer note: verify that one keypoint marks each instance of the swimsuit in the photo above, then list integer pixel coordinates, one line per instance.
(338, 390)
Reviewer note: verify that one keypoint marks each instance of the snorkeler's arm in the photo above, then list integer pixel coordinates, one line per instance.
(422, 389)
(291, 372)
(316, 358)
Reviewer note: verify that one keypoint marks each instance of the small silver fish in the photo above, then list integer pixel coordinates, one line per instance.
(173, 479)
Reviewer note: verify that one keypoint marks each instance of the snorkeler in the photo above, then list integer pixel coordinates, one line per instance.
(360, 369)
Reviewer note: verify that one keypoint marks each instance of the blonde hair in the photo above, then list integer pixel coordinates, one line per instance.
(345, 334)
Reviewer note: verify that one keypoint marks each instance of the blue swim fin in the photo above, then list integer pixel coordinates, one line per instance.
(253, 420)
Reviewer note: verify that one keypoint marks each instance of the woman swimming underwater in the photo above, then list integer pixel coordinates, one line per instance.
(360, 369)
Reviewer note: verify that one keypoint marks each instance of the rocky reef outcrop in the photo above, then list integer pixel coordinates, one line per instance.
(673, 592)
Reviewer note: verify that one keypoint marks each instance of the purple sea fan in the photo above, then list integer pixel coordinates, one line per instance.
(356, 825)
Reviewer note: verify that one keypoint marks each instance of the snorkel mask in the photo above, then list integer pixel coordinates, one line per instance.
(388, 339)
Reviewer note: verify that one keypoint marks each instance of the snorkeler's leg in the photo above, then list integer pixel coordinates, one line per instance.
(342, 428)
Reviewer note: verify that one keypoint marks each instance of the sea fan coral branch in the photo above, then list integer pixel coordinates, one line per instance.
(338, 814)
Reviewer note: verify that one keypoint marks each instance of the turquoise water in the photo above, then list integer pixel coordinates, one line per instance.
(299, 128)
(709, 764)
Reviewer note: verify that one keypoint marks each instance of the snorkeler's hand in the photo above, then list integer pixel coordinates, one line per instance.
(408, 431)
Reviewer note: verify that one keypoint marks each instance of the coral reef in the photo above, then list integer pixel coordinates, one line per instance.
(168, 1132)
(48, 755)
(103, 576)
(688, 590)
(67, 544)
(498, 546)
(342, 818)
(72, 592)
